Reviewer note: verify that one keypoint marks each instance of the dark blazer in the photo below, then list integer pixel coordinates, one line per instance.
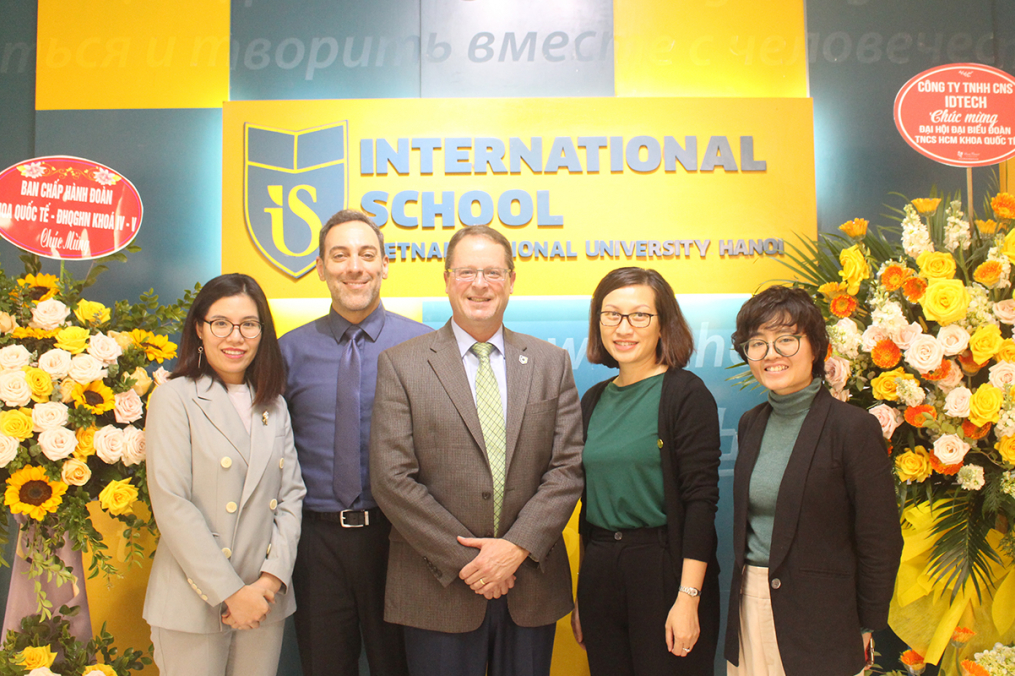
(430, 475)
(689, 445)
(836, 541)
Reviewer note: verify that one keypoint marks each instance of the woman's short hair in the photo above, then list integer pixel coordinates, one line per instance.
(789, 307)
(675, 343)
(266, 373)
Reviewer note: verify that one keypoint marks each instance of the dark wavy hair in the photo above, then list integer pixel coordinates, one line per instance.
(784, 306)
(266, 373)
(675, 344)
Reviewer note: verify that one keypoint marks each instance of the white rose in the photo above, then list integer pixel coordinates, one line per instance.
(14, 357)
(1005, 311)
(160, 376)
(104, 348)
(75, 473)
(871, 337)
(108, 442)
(905, 335)
(49, 416)
(41, 671)
(57, 443)
(133, 445)
(888, 417)
(957, 402)
(837, 371)
(950, 449)
(84, 368)
(56, 363)
(8, 449)
(127, 406)
(49, 314)
(953, 378)
(841, 395)
(14, 389)
(1002, 375)
(953, 338)
(925, 354)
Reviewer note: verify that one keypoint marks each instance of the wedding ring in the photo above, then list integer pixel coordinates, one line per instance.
(687, 650)
(481, 582)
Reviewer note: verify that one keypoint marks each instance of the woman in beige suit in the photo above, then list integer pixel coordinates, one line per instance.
(226, 491)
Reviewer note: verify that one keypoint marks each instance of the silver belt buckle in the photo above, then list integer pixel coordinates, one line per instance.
(366, 518)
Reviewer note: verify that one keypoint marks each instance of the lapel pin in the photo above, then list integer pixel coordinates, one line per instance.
(264, 418)
(522, 359)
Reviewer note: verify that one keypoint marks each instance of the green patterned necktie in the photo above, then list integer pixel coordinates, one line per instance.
(491, 418)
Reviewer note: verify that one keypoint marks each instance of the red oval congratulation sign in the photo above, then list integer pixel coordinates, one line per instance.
(962, 114)
(67, 208)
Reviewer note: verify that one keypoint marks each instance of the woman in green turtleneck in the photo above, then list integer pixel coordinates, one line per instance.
(816, 535)
(648, 589)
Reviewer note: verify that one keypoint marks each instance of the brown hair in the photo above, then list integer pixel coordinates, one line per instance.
(479, 231)
(784, 306)
(266, 373)
(675, 342)
(344, 216)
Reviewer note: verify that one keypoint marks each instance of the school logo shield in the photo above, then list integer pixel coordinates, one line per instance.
(294, 181)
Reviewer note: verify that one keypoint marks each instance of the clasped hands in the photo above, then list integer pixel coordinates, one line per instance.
(492, 572)
(248, 607)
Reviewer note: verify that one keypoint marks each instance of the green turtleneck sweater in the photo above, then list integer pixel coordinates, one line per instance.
(788, 413)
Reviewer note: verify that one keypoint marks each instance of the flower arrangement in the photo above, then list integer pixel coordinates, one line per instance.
(998, 661)
(74, 376)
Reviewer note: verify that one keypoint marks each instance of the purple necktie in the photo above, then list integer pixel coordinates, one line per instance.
(346, 481)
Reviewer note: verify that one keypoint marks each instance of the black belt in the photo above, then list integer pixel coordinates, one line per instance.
(347, 518)
(629, 535)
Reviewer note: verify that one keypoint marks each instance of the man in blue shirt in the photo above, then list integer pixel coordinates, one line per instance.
(331, 367)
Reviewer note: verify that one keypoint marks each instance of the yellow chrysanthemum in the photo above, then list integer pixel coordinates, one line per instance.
(156, 348)
(988, 273)
(74, 339)
(855, 228)
(988, 227)
(40, 383)
(94, 396)
(32, 493)
(926, 205)
(40, 287)
(91, 313)
(1003, 205)
(832, 289)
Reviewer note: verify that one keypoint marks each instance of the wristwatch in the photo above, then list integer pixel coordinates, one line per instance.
(690, 591)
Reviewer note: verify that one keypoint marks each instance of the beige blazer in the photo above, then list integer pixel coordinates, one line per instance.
(431, 477)
(228, 504)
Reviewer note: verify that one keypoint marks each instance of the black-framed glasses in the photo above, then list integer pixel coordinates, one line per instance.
(220, 328)
(757, 349)
(489, 274)
(638, 320)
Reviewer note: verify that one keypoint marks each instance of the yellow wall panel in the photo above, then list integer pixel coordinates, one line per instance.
(120, 54)
(710, 48)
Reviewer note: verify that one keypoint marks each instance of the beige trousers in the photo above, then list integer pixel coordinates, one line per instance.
(251, 652)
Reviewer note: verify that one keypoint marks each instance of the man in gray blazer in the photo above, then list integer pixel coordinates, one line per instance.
(475, 456)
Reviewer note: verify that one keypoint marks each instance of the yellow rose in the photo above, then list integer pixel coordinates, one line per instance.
(92, 313)
(75, 472)
(16, 423)
(884, 386)
(40, 383)
(117, 497)
(34, 657)
(7, 323)
(67, 390)
(1007, 350)
(85, 447)
(945, 301)
(122, 338)
(142, 381)
(103, 669)
(985, 405)
(73, 339)
(985, 342)
(913, 465)
(854, 268)
(1006, 447)
(936, 265)
(855, 228)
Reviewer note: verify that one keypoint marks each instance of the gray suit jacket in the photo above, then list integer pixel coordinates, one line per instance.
(431, 477)
(228, 503)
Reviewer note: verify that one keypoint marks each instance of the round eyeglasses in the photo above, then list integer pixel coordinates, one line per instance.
(638, 320)
(220, 328)
(757, 349)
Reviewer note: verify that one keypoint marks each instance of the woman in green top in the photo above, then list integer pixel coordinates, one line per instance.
(648, 589)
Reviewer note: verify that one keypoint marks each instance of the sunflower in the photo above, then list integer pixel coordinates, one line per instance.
(894, 275)
(886, 354)
(1003, 205)
(926, 205)
(95, 396)
(156, 348)
(40, 287)
(23, 332)
(843, 305)
(32, 493)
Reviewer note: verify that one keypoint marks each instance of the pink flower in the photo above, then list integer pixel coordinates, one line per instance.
(950, 449)
(837, 372)
(127, 407)
(957, 402)
(888, 417)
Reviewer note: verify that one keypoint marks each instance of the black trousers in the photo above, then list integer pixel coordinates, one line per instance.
(626, 588)
(339, 581)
